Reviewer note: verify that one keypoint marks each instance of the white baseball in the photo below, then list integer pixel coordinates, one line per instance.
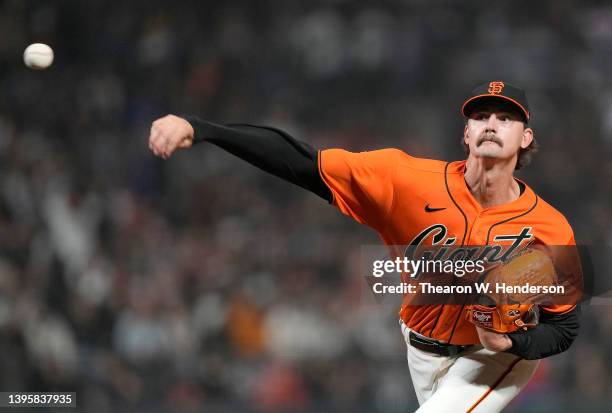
(38, 56)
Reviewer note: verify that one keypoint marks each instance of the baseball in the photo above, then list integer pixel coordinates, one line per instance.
(38, 56)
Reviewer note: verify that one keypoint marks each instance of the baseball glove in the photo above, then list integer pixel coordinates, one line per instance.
(515, 308)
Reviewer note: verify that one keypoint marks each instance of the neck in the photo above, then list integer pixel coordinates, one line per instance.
(491, 183)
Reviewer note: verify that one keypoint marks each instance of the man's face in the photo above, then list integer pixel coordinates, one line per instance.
(496, 131)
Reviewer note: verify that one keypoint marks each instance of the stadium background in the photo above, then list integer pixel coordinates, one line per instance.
(201, 283)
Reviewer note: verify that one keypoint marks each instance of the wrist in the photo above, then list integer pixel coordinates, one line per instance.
(197, 128)
(506, 343)
(494, 341)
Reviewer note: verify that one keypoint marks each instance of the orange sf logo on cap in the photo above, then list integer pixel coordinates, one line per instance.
(496, 87)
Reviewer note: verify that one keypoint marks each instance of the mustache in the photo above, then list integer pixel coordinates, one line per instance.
(489, 136)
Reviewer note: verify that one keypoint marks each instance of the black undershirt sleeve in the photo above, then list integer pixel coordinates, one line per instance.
(269, 149)
(554, 334)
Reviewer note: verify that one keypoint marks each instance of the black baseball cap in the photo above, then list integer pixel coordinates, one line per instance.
(497, 90)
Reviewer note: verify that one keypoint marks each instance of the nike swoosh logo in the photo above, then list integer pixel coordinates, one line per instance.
(429, 209)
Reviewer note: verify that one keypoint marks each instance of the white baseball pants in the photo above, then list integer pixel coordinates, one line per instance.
(477, 381)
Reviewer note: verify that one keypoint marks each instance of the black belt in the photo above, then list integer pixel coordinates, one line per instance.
(436, 347)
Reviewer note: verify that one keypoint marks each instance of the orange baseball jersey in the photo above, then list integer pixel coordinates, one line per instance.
(413, 201)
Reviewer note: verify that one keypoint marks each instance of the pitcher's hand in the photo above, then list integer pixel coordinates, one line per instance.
(168, 134)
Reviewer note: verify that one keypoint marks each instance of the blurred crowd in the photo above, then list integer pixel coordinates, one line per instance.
(202, 284)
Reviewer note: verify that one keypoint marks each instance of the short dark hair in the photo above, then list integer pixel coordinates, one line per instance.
(524, 155)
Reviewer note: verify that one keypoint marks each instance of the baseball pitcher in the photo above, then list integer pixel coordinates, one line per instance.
(466, 357)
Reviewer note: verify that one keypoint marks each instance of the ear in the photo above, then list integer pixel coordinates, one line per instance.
(527, 138)
(465, 135)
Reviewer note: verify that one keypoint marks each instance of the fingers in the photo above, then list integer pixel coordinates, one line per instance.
(169, 148)
(154, 140)
(158, 141)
